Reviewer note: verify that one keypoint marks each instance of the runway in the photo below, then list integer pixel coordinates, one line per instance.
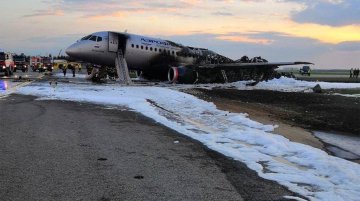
(247, 151)
(56, 150)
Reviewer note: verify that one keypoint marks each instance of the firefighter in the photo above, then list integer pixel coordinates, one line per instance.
(73, 70)
(65, 68)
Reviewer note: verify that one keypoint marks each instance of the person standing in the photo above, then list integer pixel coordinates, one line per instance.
(354, 73)
(73, 70)
(70, 67)
(351, 72)
(64, 70)
(357, 73)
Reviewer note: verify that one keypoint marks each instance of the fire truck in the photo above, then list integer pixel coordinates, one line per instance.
(20, 63)
(36, 63)
(7, 65)
(47, 64)
(41, 64)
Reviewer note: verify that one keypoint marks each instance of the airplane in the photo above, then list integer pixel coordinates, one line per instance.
(163, 60)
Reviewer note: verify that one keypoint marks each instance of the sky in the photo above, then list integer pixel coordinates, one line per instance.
(325, 32)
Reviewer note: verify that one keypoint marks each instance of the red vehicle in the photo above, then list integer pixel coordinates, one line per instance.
(36, 63)
(41, 64)
(7, 65)
(20, 63)
(47, 63)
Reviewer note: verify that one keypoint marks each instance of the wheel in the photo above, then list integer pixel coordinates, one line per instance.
(6, 72)
(14, 70)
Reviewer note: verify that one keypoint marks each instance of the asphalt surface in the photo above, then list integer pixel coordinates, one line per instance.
(65, 151)
(58, 150)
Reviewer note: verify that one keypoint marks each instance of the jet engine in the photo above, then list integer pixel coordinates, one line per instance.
(183, 75)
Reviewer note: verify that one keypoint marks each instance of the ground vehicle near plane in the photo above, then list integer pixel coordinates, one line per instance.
(75, 65)
(35, 63)
(305, 70)
(159, 59)
(20, 63)
(59, 64)
(47, 64)
(7, 65)
(41, 64)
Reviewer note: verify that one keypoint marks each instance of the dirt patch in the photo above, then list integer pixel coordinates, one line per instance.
(305, 110)
(263, 114)
(296, 114)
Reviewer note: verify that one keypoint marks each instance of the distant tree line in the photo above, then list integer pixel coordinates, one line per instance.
(27, 57)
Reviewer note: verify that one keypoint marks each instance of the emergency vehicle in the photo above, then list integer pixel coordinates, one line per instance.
(7, 65)
(36, 63)
(60, 64)
(20, 63)
(47, 64)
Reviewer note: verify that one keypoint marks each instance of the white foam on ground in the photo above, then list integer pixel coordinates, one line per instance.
(348, 95)
(7, 87)
(294, 198)
(348, 143)
(69, 75)
(303, 169)
(290, 84)
(283, 84)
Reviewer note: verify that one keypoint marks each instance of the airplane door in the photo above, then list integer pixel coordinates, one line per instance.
(122, 42)
(113, 42)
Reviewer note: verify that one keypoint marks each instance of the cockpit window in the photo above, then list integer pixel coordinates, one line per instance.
(93, 38)
(99, 39)
(86, 37)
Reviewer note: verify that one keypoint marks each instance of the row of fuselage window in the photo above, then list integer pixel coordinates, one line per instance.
(154, 49)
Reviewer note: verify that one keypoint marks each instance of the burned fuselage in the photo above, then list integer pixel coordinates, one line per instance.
(166, 60)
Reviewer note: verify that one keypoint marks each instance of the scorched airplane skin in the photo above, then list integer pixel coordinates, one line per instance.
(166, 60)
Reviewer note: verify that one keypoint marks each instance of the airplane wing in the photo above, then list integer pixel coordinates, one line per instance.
(234, 66)
(229, 72)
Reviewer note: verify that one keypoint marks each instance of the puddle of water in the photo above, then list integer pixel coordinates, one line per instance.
(343, 146)
(342, 153)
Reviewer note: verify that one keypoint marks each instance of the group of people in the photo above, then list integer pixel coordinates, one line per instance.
(354, 73)
(71, 67)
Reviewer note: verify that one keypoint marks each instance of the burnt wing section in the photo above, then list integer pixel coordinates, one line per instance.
(256, 69)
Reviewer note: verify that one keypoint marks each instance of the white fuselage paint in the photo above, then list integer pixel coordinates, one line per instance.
(139, 50)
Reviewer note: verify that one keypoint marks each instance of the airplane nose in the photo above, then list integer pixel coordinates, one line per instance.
(73, 50)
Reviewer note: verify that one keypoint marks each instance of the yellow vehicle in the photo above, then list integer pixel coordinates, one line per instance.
(60, 64)
(76, 65)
